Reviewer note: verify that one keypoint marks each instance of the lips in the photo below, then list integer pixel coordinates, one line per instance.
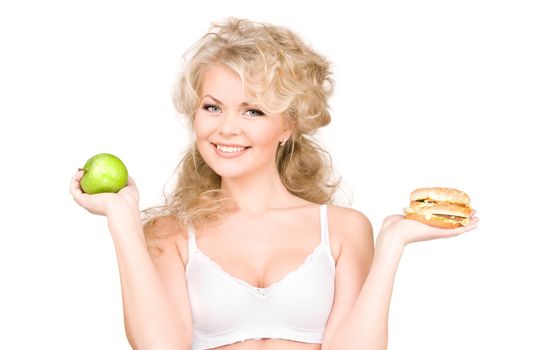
(228, 144)
(230, 150)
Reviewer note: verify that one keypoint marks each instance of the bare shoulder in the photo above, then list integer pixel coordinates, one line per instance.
(164, 234)
(349, 221)
(353, 230)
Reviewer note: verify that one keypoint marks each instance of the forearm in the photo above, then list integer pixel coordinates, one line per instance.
(366, 326)
(150, 318)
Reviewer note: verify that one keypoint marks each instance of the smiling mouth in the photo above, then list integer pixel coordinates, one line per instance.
(230, 149)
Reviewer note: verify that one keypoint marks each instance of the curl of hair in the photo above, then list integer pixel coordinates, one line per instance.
(282, 75)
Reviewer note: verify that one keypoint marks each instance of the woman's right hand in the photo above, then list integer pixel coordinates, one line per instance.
(105, 203)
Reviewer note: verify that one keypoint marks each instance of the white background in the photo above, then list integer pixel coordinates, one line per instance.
(428, 94)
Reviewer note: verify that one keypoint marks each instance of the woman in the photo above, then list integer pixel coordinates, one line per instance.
(249, 251)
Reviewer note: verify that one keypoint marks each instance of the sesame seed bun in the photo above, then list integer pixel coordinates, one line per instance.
(441, 194)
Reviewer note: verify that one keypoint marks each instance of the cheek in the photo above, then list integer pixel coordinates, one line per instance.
(200, 127)
(265, 136)
(202, 131)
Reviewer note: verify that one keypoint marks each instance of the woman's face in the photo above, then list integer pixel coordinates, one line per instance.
(235, 138)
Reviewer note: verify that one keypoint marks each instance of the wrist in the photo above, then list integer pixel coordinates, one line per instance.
(117, 210)
(122, 218)
(392, 244)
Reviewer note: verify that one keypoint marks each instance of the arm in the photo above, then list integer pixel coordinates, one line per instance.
(366, 326)
(153, 320)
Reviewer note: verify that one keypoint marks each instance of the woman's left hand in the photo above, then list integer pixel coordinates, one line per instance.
(403, 231)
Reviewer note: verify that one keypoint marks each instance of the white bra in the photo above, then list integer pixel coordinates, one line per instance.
(226, 309)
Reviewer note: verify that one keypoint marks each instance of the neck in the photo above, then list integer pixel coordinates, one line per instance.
(258, 193)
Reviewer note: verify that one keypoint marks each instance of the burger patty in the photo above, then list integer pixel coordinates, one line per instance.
(452, 217)
(431, 201)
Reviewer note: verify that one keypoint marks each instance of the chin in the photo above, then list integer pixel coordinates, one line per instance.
(223, 167)
(229, 173)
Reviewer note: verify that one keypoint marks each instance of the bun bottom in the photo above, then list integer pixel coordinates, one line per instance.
(433, 221)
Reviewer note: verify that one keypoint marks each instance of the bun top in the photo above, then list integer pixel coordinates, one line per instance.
(440, 194)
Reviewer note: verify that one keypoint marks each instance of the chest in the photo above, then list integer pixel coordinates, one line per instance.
(261, 252)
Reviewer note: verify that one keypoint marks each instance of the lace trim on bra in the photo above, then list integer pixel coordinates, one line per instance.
(257, 291)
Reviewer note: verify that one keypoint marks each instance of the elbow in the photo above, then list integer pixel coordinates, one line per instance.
(357, 344)
(175, 339)
(161, 343)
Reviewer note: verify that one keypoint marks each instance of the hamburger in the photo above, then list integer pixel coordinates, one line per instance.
(439, 206)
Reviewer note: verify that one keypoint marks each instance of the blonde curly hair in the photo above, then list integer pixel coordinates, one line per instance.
(284, 76)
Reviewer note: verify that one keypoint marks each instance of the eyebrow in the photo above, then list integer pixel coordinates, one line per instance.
(243, 104)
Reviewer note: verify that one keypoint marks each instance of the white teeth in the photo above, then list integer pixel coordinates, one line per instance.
(230, 149)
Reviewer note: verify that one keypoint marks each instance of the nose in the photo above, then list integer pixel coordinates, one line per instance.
(229, 124)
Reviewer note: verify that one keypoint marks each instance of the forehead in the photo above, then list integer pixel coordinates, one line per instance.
(223, 83)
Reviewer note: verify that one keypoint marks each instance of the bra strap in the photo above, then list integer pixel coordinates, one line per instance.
(192, 239)
(325, 239)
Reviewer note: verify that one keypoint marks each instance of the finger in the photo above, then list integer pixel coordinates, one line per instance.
(75, 181)
(465, 229)
(78, 175)
(131, 181)
(451, 232)
(75, 189)
(474, 220)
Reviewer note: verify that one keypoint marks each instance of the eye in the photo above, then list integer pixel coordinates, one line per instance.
(254, 112)
(211, 108)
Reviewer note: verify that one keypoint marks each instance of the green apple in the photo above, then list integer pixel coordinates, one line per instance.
(103, 172)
